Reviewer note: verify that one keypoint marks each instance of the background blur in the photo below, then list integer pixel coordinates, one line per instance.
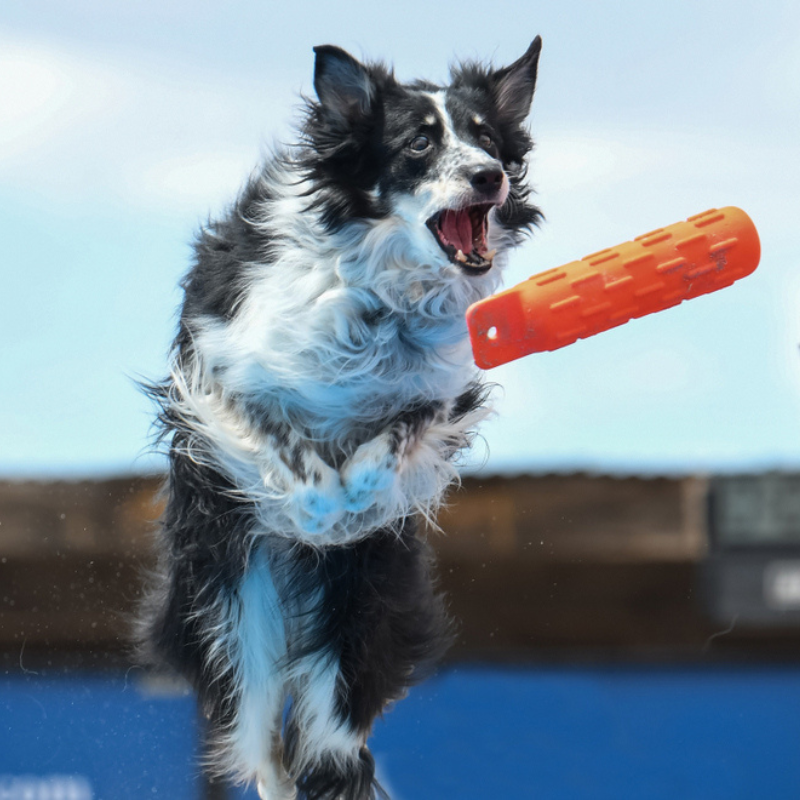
(625, 557)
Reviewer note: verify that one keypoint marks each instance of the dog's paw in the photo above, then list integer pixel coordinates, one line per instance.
(371, 472)
(275, 784)
(318, 504)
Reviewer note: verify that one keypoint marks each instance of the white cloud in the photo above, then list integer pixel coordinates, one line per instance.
(577, 160)
(190, 182)
(30, 92)
(42, 95)
(152, 135)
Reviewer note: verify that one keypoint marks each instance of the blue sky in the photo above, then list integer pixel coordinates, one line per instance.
(123, 125)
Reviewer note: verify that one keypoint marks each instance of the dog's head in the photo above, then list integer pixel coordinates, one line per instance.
(444, 167)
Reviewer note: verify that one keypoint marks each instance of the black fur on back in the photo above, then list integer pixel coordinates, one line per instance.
(204, 553)
(217, 281)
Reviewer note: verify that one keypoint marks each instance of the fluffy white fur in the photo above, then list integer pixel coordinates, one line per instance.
(299, 340)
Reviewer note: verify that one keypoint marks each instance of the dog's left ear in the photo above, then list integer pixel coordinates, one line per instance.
(342, 84)
(513, 86)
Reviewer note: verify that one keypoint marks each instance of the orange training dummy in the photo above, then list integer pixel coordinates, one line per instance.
(655, 271)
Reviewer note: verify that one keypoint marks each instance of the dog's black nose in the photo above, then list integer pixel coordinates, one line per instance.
(487, 181)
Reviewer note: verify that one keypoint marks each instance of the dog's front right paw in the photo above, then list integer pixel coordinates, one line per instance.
(318, 504)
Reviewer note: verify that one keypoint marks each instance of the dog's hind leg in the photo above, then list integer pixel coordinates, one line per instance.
(273, 782)
(377, 628)
(254, 647)
(325, 754)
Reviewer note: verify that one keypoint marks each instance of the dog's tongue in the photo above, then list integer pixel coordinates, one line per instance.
(457, 229)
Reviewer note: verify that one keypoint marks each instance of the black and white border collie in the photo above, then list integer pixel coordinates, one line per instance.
(321, 391)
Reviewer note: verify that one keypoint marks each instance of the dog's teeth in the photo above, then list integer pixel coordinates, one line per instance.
(490, 255)
(461, 257)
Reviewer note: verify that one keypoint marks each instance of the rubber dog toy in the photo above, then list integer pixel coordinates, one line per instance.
(655, 271)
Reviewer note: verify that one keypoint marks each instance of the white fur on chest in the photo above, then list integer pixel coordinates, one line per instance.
(352, 325)
(335, 339)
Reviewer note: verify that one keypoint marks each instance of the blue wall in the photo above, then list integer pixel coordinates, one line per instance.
(470, 734)
(95, 738)
(556, 734)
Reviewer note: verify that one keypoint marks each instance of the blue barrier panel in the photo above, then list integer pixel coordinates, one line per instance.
(632, 733)
(622, 733)
(96, 738)
(626, 733)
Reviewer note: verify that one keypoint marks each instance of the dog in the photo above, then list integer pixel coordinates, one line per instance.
(320, 395)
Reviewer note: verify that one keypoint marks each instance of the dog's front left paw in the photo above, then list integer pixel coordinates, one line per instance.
(371, 472)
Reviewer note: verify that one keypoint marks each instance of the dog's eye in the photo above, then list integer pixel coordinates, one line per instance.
(485, 141)
(419, 144)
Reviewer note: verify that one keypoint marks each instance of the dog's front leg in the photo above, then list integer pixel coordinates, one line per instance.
(372, 475)
(314, 497)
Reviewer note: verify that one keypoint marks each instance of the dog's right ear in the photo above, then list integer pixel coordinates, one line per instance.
(343, 85)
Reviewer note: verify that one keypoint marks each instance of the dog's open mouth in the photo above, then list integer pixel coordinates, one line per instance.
(461, 233)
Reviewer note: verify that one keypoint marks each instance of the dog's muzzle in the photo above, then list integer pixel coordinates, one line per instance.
(461, 232)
